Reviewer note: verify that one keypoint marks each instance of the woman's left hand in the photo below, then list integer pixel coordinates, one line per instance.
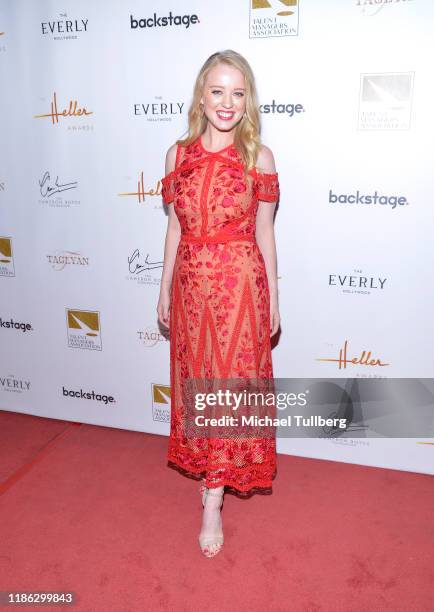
(274, 317)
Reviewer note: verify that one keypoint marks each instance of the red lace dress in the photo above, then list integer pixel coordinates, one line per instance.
(220, 306)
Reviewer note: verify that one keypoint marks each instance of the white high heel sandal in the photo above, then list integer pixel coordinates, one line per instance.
(206, 541)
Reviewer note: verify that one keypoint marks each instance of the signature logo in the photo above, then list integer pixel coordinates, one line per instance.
(136, 268)
(47, 188)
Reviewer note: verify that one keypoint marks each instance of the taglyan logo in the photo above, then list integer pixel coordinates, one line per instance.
(343, 360)
(72, 111)
(7, 267)
(273, 18)
(385, 101)
(11, 384)
(151, 336)
(83, 328)
(356, 282)
(369, 8)
(62, 259)
(64, 28)
(161, 403)
(140, 192)
(163, 22)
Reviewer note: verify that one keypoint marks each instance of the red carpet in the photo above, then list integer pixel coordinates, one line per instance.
(96, 511)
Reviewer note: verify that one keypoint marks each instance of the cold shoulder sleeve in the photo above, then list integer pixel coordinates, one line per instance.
(168, 187)
(267, 186)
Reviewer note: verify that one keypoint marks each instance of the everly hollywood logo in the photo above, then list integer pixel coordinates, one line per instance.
(12, 384)
(356, 282)
(64, 28)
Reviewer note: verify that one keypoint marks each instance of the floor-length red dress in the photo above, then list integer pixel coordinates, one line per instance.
(220, 306)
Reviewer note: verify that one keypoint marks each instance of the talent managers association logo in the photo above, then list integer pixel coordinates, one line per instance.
(83, 327)
(273, 18)
(161, 403)
(385, 101)
(7, 267)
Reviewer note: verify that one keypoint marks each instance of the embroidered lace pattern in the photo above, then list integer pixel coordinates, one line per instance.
(220, 307)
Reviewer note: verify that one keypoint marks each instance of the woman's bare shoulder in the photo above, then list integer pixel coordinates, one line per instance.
(265, 161)
(171, 158)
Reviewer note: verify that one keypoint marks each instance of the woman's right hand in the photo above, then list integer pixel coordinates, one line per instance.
(163, 308)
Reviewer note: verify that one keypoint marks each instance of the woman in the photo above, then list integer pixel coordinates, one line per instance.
(218, 290)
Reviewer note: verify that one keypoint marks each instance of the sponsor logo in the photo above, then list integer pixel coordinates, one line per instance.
(140, 191)
(385, 101)
(11, 384)
(375, 198)
(163, 22)
(83, 327)
(356, 282)
(11, 324)
(161, 403)
(273, 18)
(158, 111)
(73, 110)
(7, 267)
(344, 359)
(141, 268)
(369, 8)
(61, 259)
(90, 395)
(64, 28)
(281, 109)
(151, 336)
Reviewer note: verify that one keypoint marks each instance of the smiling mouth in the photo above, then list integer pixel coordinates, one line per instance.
(225, 115)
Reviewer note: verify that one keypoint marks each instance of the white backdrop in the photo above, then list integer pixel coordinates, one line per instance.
(346, 90)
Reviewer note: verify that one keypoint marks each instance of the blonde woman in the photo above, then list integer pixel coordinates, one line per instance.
(218, 293)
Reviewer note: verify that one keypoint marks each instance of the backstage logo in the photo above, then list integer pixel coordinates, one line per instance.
(7, 267)
(159, 111)
(55, 192)
(163, 22)
(12, 384)
(11, 324)
(73, 110)
(281, 109)
(385, 101)
(160, 402)
(61, 259)
(89, 395)
(64, 28)
(143, 268)
(151, 336)
(273, 18)
(344, 358)
(83, 327)
(140, 192)
(357, 282)
(393, 201)
(370, 8)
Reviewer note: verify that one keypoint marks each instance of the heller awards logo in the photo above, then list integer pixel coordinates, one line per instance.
(357, 282)
(370, 8)
(72, 110)
(273, 18)
(344, 359)
(140, 192)
(7, 267)
(385, 101)
(161, 403)
(83, 328)
(64, 28)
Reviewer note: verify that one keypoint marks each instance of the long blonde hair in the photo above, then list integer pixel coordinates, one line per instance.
(247, 133)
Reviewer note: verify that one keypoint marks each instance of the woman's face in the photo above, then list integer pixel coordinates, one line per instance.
(224, 97)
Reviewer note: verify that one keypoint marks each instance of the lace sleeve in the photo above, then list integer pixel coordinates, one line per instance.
(267, 186)
(168, 187)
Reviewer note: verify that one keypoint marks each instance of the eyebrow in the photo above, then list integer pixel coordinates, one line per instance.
(222, 87)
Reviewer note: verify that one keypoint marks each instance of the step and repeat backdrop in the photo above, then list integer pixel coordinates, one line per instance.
(94, 93)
